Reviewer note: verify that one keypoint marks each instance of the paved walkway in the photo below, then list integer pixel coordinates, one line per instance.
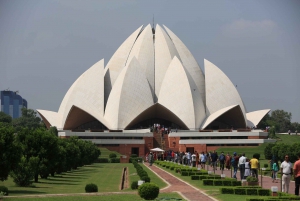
(187, 191)
(266, 180)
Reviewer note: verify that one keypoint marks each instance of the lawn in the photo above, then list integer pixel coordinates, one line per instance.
(106, 176)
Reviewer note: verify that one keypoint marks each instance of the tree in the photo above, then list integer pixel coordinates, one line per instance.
(28, 119)
(282, 120)
(5, 118)
(10, 152)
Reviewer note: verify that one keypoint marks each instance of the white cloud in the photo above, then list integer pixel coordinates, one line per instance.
(248, 28)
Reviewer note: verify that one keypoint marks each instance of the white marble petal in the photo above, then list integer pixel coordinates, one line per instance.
(53, 118)
(189, 62)
(215, 115)
(220, 92)
(176, 94)
(164, 53)
(253, 118)
(130, 96)
(87, 94)
(143, 50)
(118, 62)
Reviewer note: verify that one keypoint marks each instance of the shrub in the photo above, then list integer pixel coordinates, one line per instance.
(4, 190)
(195, 177)
(252, 179)
(133, 156)
(251, 191)
(240, 191)
(236, 183)
(89, 188)
(146, 179)
(112, 155)
(227, 190)
(192, 173)
(227, 183)
(208, 182)
(264, 192)
(256, 155)
(148, 191)
(255, 199)
(203, 177)
(218, 182)
(115, 160)
(134, 185)
(266, 165)
(184, 173)
(172, 168)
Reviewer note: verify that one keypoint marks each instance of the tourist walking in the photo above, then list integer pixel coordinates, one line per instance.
(150, 158)
(242, 161)
(222, 161)
(227, 161)
(254, 166)
(234, 163)
(286, 169)
(203, 159)
(247, 169)
(214, 158)
(275, 169)
(297, 175)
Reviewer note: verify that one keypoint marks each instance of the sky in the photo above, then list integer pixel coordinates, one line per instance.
(45, 45)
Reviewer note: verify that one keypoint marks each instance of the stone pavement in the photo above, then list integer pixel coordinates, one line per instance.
(187, 191)
(266, 180)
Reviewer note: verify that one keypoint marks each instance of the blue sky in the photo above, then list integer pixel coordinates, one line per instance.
(45, 45)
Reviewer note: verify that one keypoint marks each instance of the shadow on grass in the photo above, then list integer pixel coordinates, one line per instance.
(57, 183)
(66, 180)
(22, 192)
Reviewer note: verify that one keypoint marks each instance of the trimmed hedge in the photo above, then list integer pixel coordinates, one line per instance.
(195, 177)
(227, 190)
(115, 160)
(264, 192)
(221, 182)
(246, 191)
(251, 191)
(148, 191)
(134, 185)
(90, 188)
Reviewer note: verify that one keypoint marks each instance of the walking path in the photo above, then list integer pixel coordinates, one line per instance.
(187, 191)
(265, 182)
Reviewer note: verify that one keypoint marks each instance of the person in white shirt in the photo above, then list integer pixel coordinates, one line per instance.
(286, 169)
(194, 159)
(242, 161)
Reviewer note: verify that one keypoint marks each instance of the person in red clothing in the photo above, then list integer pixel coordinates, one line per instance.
(297, 175)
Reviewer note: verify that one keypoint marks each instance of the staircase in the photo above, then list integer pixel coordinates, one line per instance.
(159, 141)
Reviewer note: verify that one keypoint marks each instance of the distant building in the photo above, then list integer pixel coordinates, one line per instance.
(12, 103)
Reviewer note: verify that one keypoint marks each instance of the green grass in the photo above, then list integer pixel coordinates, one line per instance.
(111, 197)
(107, 176)
(105, 153)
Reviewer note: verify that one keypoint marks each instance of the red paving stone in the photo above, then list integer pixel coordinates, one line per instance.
(189, 192)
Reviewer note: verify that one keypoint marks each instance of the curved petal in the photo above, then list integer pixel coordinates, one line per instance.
(253, 118)
(230, 116)
(86, 93)
(220, 92)
(189, 62)
(143, 51)
(178, 96)
(118, 62)
(50, 118)
(130, 96)
(164, 53)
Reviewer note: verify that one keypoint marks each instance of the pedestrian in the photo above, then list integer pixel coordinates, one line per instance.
(194, 159)
(247, 169)
(222, 161)
(234, 163)
(214, 158)
(297, 175)
(150, 158)
(289, 132)
(203, 159)
(254, 166)
(242, 161)
(275, 168)
(227, 161)
(286, 170)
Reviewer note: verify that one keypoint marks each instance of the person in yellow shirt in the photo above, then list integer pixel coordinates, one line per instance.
(254, 166)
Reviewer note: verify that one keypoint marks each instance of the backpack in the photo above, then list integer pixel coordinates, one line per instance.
(233, 162)
(222, 157)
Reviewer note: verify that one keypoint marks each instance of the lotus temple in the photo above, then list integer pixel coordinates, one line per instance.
(154, 79)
